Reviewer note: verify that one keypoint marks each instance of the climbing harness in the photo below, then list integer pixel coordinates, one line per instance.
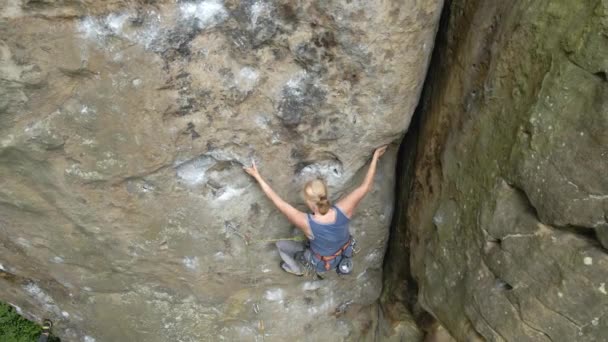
(344, 266)
(327, 258)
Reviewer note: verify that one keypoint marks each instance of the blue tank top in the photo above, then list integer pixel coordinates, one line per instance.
(328, 238)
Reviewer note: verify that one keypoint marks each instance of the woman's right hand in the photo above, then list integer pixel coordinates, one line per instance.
(379, 152)
(252, 170)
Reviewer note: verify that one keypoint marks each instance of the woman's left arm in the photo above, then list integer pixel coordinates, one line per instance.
(295, 216)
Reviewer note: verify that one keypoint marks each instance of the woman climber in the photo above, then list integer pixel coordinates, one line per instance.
(326, 228)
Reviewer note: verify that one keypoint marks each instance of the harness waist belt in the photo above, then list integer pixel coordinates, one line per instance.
(329, 258)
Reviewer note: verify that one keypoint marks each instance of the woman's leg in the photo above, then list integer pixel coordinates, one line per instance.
(287, 251)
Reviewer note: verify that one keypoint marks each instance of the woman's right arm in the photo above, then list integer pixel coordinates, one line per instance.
(349, 203)
(295, 216)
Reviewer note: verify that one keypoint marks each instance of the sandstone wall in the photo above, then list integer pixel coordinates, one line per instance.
(506, 219)
(124, 211)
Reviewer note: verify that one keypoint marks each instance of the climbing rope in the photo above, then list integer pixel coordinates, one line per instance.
(309, 271)
(295, 238)
(255, 279)
(258, 296)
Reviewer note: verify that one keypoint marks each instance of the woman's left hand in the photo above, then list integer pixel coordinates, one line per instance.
(252, 170)
(379, 152)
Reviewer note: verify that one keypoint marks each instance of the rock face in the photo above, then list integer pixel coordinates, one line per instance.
(506, 218)
(124, 212)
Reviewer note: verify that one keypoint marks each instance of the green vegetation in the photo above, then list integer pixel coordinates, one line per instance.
(14, 328)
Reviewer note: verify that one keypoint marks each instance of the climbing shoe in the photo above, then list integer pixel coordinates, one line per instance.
(46, 326)
(46, 331)
(286, 268)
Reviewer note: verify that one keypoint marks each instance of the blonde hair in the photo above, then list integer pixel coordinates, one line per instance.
(316, 192)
